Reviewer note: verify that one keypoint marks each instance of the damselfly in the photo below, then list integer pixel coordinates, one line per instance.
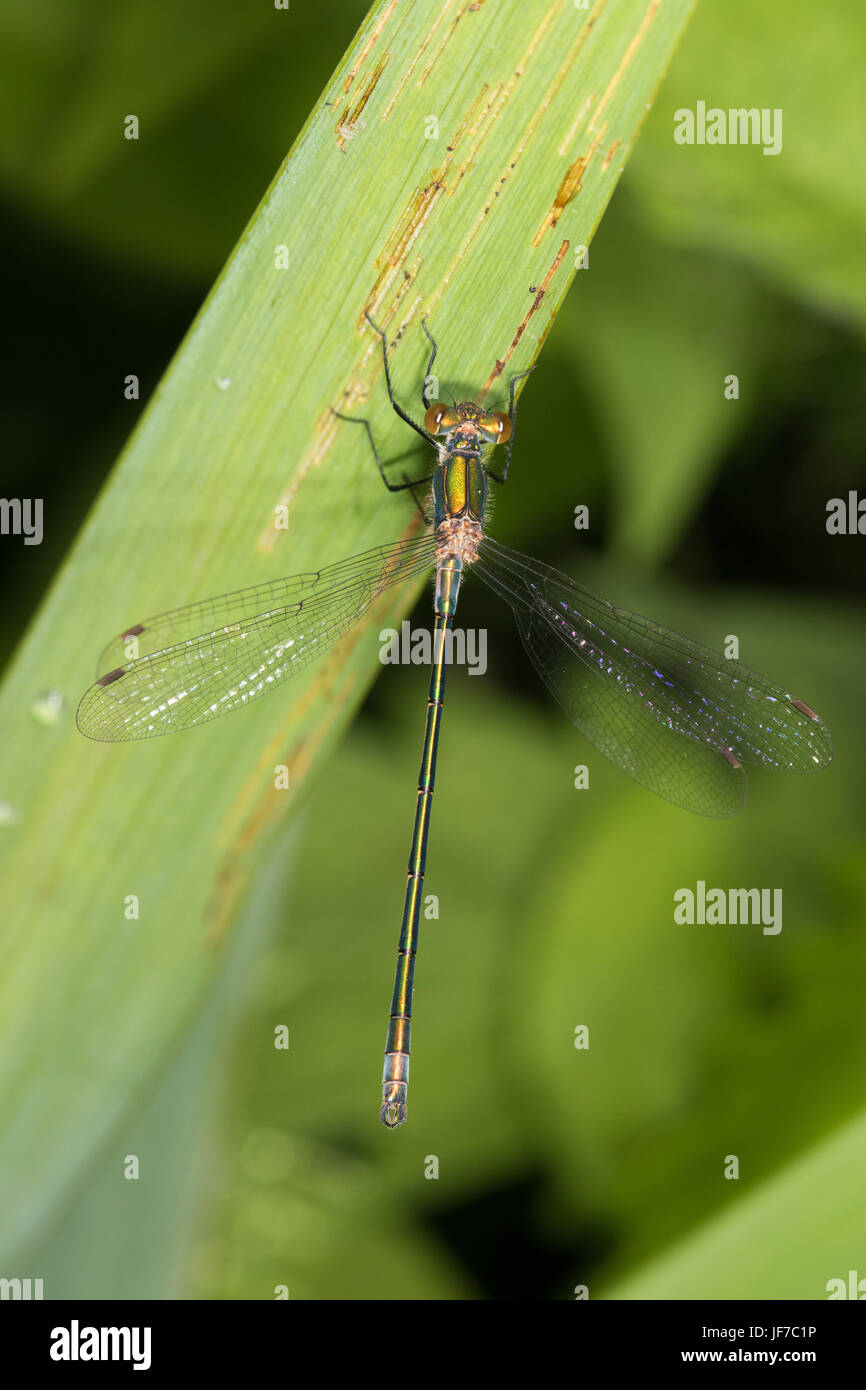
(677, 717)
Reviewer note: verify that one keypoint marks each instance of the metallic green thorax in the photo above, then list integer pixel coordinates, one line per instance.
(460, 486)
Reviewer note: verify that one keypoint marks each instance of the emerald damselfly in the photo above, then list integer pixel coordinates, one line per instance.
(677, 717)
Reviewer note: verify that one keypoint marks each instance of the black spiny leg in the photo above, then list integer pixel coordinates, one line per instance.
(512, 415)
(392, 487)
(425, 398)
(407, 419)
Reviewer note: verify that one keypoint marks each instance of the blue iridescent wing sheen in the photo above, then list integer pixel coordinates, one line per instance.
(193, 664)
(675, 716)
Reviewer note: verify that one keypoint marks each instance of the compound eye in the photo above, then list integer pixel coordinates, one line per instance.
(433, 418)
(504, 427)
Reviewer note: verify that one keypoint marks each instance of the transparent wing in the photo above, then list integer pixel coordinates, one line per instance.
(187, 666)
(677, 717)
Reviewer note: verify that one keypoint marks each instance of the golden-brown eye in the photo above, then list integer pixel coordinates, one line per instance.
(433, 418)
(504, 427)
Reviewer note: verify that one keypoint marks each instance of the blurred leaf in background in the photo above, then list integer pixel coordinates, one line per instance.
(797, 216)
(219, 89)
(107, 259)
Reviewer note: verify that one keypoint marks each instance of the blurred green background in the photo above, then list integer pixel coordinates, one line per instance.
(557, 1167)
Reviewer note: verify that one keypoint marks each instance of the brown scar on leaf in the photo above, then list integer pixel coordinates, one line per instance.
(573, 180)
(475, 124)
(500, 96)
(540, 292)
(464, 9)
(422, 202)
(553, 88)
(495, 103)
(569, 188)
(626, 59)
(409, 225)
(383, 315)
(575, 125)
(408, 74)
(349, 122)
(610, 154)
(581, 39)
(362, 56)
(479, 125)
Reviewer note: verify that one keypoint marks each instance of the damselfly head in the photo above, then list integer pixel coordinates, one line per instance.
(494, 427)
